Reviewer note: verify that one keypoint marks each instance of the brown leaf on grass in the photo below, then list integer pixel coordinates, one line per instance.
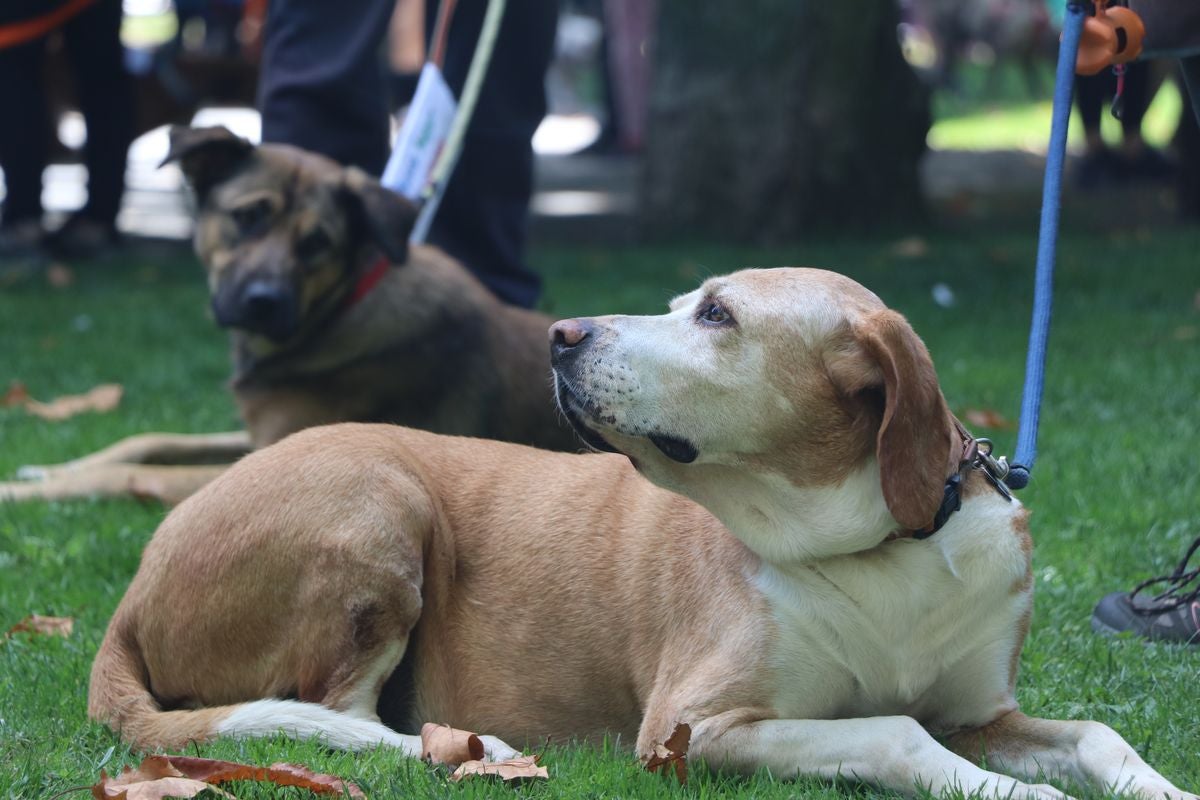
(154, 779)
(910, 247)
(671, 754)
(60, 276)
(441, 744)
(987, 418)
(520, 768)
(104, 397)
(181, 774)
(17, 395)
(1185, 333)
(46, 626)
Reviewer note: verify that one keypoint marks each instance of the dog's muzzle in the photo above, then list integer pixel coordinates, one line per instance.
(569, 338)
(268, 307)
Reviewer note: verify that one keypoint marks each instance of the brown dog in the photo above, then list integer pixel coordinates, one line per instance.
(804, 602)
(332, 319)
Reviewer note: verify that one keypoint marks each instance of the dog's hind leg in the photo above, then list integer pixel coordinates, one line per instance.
(1090, 753)
(166, 484)
(343, 718)
(153, 448)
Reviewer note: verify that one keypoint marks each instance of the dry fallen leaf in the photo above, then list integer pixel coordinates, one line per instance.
(441, 744)
(104, 397)
(910, 247)
(154, 779)
(514, 769)
(1185, 333)
(60, 276)
(671, 753)
(47, 626)
(174, 776)
(17, 395)
(987, 418)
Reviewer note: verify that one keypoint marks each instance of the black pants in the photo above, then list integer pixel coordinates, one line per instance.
(1091, 92)
(322, 88)
(105, 91)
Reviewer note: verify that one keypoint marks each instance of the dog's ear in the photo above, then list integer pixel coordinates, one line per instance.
(206, 155)
(917, 446)
(387, 217)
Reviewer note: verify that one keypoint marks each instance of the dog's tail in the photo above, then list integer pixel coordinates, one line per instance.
(120, 697)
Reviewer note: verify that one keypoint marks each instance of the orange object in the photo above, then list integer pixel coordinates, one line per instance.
(1111, 36)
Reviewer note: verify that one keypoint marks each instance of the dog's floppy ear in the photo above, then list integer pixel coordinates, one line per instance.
(206, 155)
(917, 446)
(387, 217)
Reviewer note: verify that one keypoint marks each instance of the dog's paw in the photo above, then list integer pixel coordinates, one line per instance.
(1044, 791)
(19, 490)
(496, 750)
(33, 472)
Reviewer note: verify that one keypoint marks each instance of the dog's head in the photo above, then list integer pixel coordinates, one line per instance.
(284, 234)
(784, 383)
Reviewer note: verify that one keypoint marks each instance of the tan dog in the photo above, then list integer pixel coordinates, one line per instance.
(331, 320)
(779, 604)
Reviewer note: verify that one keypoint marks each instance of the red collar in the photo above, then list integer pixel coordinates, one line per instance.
(369, 280)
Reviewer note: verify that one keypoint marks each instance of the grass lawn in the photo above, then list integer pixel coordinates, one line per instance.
(1116, 493)
(1006, 116)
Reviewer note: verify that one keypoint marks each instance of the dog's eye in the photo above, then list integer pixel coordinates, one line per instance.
(313, 243)
(714, 314)
(250, 216)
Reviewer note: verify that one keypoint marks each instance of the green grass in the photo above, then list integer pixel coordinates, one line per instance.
(1116, 494)
(1012, 119)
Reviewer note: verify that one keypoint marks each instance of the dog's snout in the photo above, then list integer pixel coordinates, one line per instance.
(568, 333)
(261, 305)
(566, 336)
(264, 299)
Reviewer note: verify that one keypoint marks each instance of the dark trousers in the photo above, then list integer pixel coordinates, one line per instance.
(322, 88)
(1091, 92)
(93, 48)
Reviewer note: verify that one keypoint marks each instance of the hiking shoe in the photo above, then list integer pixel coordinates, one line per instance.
(82, 237)
(1171, 615)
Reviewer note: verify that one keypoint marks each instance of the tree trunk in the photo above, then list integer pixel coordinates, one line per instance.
(770, 118)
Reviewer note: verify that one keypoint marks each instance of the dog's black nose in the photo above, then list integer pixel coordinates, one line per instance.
(566, 335)
(263, 299)
(267, 307)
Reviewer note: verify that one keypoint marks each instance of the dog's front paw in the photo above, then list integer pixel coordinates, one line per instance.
(33, 472)
(496, 750)
(1170, 794)
(19, 490)
(1044, 791)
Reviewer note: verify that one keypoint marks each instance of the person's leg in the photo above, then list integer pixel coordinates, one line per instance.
(1141, 161)
(321, 86)
(24, 136)
(483, 217)
(1099, 165)
(92, 41)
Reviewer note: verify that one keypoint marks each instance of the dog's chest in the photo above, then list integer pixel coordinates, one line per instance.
(927, 629)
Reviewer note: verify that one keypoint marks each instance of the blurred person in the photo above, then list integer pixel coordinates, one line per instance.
(323, 89)
(1165, 607)
(90, 32)
(1136, 160)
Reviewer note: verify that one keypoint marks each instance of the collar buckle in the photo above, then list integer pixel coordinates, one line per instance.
(994, 469)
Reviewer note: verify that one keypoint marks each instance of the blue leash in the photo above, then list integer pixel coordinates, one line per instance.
(1039, 327)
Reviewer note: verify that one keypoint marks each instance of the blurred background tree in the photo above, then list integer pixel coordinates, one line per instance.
(772, 117)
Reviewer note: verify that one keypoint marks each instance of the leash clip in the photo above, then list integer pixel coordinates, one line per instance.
(996, 469)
